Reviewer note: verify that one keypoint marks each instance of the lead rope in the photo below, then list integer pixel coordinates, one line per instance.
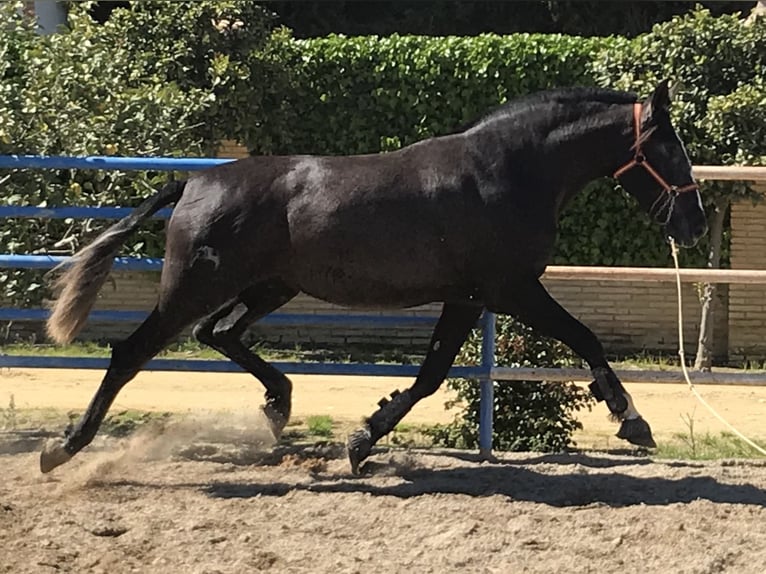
(674, 251)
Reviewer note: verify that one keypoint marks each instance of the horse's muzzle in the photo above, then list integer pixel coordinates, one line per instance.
(686, 235)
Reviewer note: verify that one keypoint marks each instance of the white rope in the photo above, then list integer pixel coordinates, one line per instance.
(674, 252)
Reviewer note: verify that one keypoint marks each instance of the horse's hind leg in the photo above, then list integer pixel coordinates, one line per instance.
(223, 331)
(455, 323)
(127, 359)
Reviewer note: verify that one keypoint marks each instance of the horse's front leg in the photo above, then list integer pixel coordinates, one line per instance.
(528, 301)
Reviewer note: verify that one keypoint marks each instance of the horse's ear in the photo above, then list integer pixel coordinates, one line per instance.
(658, 105)
(661, 98)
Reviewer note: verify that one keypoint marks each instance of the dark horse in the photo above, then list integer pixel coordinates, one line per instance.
(468, 219)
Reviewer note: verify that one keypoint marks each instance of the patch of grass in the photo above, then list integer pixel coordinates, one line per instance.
(14, 418)
(410, 435)
(119, 424)
(320, 425)
(187, 349)
(127, 422)
(707, 447)
(752, 365)
(49, 418)
(658, 361)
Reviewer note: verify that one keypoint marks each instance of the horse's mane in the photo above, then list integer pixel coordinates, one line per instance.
(562, 95)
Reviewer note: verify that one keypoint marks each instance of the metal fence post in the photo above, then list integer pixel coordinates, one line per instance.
(487, 400)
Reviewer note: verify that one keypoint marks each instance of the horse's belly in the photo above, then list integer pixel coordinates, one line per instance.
(374, 281)
(374, 295)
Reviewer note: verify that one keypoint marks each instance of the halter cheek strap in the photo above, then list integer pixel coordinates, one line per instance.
(639, 159)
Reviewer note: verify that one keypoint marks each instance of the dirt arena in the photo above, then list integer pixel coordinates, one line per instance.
(211, 494)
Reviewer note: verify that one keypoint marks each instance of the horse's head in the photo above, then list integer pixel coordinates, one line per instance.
(659, 175)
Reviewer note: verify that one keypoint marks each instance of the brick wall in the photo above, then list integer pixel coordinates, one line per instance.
(630, 316)
(747, 303)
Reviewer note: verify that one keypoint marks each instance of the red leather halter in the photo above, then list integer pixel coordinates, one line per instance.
(640, 159)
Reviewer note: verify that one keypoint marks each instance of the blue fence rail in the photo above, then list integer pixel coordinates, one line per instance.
(12, 261)
(106, 162)
(74, 212)
(17, 261)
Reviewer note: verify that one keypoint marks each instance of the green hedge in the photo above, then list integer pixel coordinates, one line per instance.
(736, 123)
(366, 94)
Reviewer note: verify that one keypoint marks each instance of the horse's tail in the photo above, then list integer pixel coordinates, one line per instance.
(85, 273)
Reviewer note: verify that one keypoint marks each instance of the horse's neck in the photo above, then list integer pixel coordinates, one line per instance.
(586, 148)
(560, 151)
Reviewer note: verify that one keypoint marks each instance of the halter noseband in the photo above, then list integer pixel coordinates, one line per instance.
(640, 159)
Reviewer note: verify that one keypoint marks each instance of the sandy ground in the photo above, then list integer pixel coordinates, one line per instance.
(212, 494)
(349, 399)
(213, 509)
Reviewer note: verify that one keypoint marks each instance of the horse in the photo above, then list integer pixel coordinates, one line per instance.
(467, 219)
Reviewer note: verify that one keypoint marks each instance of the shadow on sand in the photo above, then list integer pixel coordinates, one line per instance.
(515, 480)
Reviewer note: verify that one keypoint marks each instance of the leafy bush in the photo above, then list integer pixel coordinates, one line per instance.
(152, 81)
(735, 122)
(715, 60)
(69, 94)
(226, 48)
(528, 415)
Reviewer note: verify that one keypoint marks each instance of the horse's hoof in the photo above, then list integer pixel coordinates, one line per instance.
(277, 420)
(638, 432)
(359, 447)
(54, 454)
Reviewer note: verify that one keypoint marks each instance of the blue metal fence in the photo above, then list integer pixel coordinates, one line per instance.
(109, 162)
(481, 372)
